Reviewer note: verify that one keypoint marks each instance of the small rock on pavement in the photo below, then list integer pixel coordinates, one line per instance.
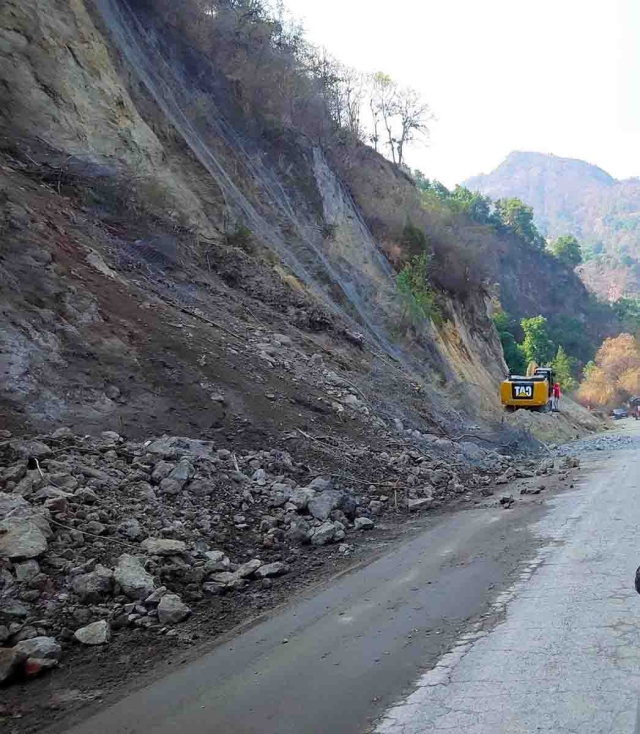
(272, 569)
(172, 610)
(507, 500)
(364, 523)
(96, 633)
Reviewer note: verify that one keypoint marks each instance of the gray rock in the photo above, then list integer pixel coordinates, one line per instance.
(323, 534)
(422, 503)
(162, 470)
(248, 569)
(27, 570)
(96, 633)
(171, 487)
(41, 648)
(301, 497)
(11, 661)
(216, 561)
(29, 449)
(4, 633)
(321, 483)
(324, 503)
(93, 587)
(170, 447)
(130, 529)
(132, 578)
(172, 610)
(163, 547)
(14, 609)
(85, 496)
(62, 432)
(364, 523)
(14, 473)
(22, 537)
(272, 569)
(155, 597)
(260, 477)
(183, 472)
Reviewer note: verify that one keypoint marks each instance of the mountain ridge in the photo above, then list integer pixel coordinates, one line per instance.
(572, 196)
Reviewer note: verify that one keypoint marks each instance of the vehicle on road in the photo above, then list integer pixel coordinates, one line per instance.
(532, 392)
(619, 413)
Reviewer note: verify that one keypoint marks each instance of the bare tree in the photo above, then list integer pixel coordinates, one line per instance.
(414, 116)
(400, 111)
(382, 105)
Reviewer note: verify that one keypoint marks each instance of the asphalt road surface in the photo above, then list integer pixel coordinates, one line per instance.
(490, 620)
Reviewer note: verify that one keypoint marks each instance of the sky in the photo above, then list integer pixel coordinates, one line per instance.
(553, 76)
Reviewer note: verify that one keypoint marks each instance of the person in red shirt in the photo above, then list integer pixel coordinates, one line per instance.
(556, 397)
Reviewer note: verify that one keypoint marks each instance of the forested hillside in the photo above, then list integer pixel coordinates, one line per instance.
(574, 197)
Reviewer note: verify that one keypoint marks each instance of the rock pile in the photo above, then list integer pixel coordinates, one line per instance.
(101, 534)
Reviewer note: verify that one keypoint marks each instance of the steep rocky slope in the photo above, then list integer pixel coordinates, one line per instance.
(132, 209)
(574, 197)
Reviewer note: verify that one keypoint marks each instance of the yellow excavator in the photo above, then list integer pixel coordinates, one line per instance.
(532, 391)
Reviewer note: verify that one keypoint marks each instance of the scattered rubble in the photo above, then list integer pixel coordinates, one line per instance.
(102, 535)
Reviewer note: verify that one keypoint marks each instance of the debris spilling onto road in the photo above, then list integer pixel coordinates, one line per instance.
(102, 537)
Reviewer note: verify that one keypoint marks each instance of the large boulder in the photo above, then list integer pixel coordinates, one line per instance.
(95, 586)
(323, 504)
(132, 578)
(301, 497)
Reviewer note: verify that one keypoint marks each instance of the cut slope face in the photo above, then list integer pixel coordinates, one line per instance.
(146, 194)
(574, 197)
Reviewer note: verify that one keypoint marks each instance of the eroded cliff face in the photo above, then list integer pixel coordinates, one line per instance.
(134, 305)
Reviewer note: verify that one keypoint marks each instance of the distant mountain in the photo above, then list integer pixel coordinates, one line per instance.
(574, 197)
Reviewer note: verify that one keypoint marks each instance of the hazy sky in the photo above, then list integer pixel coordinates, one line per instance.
(555, 76)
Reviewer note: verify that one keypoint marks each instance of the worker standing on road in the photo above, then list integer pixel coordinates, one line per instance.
(555, 403)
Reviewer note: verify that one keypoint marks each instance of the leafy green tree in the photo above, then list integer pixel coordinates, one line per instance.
(564, 366)
(516, 216)
(513, 354)
(422, 182)
(472, 203)
(567, 250)
(413, 286)
(537, 346)
(627, 311)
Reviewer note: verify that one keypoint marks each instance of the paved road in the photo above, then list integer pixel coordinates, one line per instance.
(352, 649)
(566, 657)
(421, 641)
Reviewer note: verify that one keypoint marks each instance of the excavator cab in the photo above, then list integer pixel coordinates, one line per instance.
(532, 392)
